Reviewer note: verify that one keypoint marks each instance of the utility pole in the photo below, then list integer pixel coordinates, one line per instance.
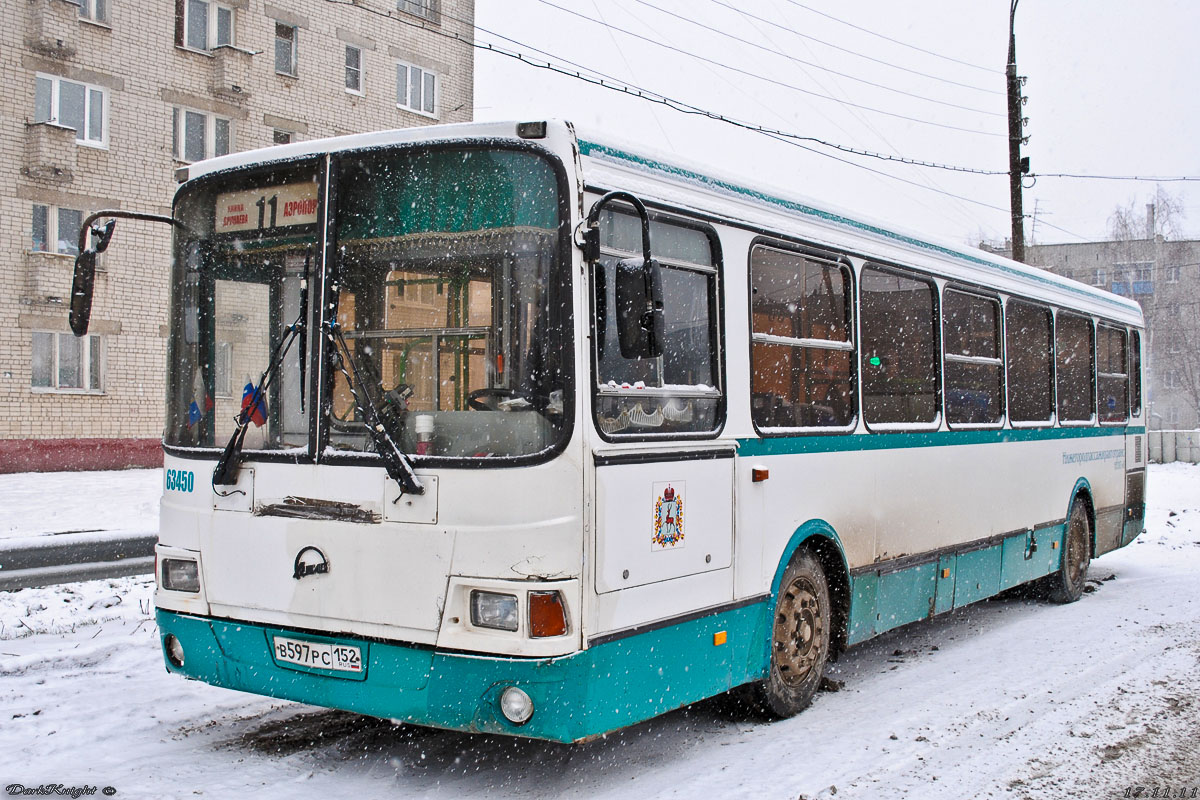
(1017, 166)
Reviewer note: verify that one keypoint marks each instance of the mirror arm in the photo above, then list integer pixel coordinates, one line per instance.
(591, 241)
(107, 229)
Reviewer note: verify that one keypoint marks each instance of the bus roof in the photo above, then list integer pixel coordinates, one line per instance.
(611, 164)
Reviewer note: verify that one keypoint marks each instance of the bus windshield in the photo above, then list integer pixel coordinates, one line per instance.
(452, 314)
(245, 251)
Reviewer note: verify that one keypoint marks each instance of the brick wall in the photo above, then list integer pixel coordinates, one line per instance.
(134, 58)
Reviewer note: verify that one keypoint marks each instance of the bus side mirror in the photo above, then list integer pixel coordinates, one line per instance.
(84, 281)
(81, 292)
(639, 310)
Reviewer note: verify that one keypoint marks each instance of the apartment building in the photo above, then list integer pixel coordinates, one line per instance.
(103, 100)
(1163, 275)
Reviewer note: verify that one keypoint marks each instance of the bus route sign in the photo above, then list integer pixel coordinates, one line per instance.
(272, 207)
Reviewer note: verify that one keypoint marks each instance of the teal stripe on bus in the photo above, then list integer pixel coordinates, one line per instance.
(816, 443)
(594, 150)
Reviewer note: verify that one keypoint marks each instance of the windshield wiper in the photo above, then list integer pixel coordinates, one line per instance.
(394, 461)
(229, 464)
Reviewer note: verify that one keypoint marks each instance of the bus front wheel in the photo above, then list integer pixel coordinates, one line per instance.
(1066, 585)
(800, 636)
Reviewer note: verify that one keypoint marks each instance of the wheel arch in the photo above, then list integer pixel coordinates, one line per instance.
(1083, 493)
(820, 538)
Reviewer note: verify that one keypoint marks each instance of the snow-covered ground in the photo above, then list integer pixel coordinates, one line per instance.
(42, 503)
(1011, 698)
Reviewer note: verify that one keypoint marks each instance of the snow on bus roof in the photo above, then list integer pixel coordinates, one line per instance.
(603, 150)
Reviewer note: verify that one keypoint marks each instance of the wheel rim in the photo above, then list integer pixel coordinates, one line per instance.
(799, 631)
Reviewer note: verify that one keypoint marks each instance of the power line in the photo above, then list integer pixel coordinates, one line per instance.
(792, 139)
(1147, 178)
(632, 90)
(848, 51)
(776, 52)
(766, 79)
(894, 41)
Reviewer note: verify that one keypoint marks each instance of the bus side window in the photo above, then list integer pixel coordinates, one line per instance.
(802, 358)
(1112, 379)
(974, 372)
(1074, 344)
(678, 392)
(1030, 352)
(1135, 373)
(899, 348)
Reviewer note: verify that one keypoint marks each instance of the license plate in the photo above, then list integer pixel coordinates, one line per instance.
(319, 655)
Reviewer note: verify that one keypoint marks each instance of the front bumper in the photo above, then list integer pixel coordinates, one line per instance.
(578, 696)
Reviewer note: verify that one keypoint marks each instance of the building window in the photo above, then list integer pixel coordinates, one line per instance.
(62, 361)
(1171, 274)
(354, 72)
(416, 89)
(1171, 379)
(285, 49)
(205, 25)
(1099, 277)
(281, 137)
(425, 9)
(93, 10)
(79, 106)
(223, 369)
(56, 230)
(197, 135)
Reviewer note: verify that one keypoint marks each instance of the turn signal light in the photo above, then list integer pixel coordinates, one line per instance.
(547, 615)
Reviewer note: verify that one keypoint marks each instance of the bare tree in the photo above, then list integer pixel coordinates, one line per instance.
(1162, 216)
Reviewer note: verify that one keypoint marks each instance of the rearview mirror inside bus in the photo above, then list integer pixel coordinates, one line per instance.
(639, 308)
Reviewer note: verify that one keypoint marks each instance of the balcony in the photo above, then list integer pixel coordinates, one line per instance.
(48, 276)
(50, 153)
(52, 28)
(231, 73)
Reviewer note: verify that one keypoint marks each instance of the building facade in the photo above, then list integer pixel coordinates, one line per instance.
(1164, 277)
(103, 100)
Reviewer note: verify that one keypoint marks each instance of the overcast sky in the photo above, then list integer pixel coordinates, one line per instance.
(1113, 88)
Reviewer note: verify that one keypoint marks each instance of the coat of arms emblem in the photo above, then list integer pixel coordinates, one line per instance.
(668, 517)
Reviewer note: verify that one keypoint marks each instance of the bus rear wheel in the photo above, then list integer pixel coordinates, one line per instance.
(800, 637)
(1066, 585)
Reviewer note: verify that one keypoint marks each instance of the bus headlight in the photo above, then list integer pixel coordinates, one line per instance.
(492, 610)
(174, 650)
(180, 575)
(516, 705)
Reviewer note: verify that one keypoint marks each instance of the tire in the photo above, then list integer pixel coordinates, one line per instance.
(800, 637)
(1066, 585)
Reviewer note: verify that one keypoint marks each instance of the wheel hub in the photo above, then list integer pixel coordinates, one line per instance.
(799, 633)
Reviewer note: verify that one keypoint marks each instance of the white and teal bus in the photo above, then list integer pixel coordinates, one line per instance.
(504, 428)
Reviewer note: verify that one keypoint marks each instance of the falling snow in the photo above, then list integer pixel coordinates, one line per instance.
(1009, 698)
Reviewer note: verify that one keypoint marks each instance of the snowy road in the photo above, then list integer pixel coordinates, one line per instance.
(1012, 698)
